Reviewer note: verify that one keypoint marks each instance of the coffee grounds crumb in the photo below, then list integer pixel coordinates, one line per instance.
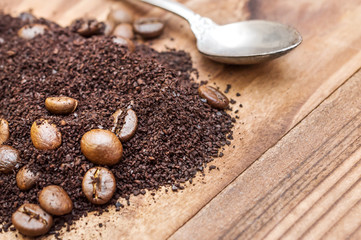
(211, 167)
(229, 86)
(175, 127)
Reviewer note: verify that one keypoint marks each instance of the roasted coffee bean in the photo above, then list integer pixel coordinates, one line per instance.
(124, 30)
(44, 135)
(25, 178)
(61, 105)
(149, 27)
(30, 31)
(124, 42)
(118, 16)
(9, 158)
(101, 147)
(55, 200)
(91, 27)
(4, 131)
(214, 97)
(31, 220)
(98, 185)
(125, 124)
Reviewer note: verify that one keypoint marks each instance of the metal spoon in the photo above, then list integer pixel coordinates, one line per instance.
(246, 42)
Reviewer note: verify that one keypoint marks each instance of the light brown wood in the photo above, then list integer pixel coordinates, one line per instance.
(275, 95)
(307, 186)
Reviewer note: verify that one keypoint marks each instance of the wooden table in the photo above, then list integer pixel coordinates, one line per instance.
(295, 169)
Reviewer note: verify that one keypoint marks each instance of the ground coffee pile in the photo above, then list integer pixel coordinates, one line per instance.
(177, 134)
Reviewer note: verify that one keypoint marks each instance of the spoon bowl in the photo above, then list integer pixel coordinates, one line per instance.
(247, 42)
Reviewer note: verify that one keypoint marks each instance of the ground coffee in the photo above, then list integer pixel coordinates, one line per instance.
(178, 132)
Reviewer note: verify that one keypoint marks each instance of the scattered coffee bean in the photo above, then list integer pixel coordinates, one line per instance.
(31, 220)
(101, 147)
(124, 42)
(9, 158)
(149, 27)
(55, 200)
(88, 28)
(98, 185)
(30, 31)
(118, 16)
(125, 124)
(214, 97)
(61, 105)
(4, 131)
(25, 178)
(44, 135)
(124, 30)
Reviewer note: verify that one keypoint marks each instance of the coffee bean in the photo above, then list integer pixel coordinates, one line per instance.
(44, 135)
(55, 200)
(214, 97)
(149, 27)
(61, 105)
(118, 16)
(124, 30)
(4, 131)
(25, 178)
(101, 147)
(30, 31)
(124, 42)
(31, 220)
(125, 124)
(98, 185)
(9, 158)
(91, 27)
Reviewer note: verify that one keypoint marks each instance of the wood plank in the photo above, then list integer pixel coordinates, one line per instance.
(275, 95)
(307, 186)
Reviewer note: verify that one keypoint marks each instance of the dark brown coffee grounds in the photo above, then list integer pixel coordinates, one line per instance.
(177, 132)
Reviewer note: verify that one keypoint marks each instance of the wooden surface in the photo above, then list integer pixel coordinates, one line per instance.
(294, 170)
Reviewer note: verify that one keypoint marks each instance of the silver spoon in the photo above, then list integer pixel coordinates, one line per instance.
(246, 42)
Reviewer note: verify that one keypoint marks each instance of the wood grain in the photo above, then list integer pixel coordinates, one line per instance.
(276, 96)
(308, 186)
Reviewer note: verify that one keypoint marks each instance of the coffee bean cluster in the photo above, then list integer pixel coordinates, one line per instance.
(100, 146)
(91, 120)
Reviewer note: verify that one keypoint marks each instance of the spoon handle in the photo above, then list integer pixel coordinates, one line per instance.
(199, 24)
(173, 7)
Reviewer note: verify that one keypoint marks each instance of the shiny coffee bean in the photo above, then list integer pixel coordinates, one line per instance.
(30, 31)
(124, 42)
(9, 159)
(125, 124)
(90, 28)
(31, 220)
(55, 200)
(44, 135)
(118, 16)
(61, 105)
(124, 30)
(25, 178)
(4, 131)
(98, 185)
(101, 147)
(214, 97)
(149, 27)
